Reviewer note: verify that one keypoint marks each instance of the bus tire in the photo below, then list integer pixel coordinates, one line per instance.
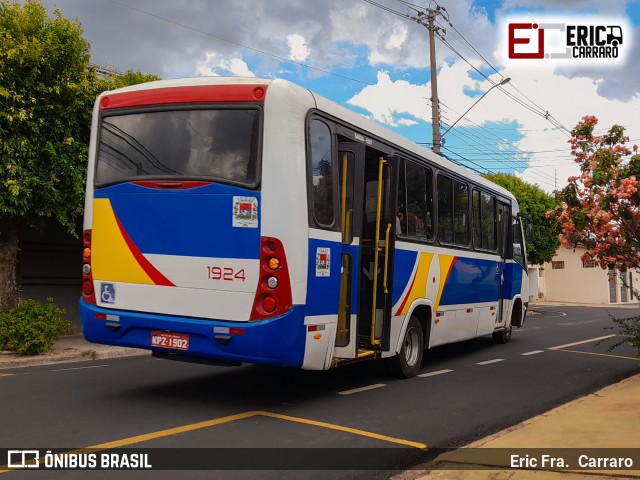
(503, 336)
(409, 359)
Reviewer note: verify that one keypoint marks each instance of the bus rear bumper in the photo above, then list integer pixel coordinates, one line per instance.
(278, 341)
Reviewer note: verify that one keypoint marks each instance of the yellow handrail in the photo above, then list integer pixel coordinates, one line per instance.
(376, 250)
(386, 259)
(343, 203)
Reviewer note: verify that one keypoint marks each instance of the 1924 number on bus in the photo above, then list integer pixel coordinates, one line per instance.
(226, 274)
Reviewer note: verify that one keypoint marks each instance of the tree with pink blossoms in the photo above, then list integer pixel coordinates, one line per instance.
(600, 208)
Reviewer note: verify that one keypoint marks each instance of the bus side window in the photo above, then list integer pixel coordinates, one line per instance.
(488, 221)
(461, 213)
(484, 221)
(322, 173)
(419, 201)
(445, 209)
(476, 219)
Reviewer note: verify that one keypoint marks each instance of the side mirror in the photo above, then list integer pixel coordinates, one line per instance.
(528, 233)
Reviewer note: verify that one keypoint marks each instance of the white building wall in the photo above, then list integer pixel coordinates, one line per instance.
(571, 281)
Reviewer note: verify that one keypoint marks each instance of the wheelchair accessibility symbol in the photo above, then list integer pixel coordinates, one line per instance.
(108, 292)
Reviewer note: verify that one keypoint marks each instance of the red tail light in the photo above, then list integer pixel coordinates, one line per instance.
(273, 297)
(88, 294)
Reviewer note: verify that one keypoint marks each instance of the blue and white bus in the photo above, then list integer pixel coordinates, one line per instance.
(232, 220)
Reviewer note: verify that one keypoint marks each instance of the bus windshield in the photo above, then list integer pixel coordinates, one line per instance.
(211, 144)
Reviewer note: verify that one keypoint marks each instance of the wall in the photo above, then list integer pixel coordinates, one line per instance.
(577, 284)
(50, 265)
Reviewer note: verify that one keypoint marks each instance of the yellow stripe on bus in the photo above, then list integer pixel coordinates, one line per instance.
(445, 270)
(419, 287)
(111, 257)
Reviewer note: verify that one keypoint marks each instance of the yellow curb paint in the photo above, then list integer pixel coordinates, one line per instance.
(603, 355)
(7, 374)
(564, 348)
(580, 342)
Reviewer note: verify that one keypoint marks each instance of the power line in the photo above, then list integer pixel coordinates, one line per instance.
(387, 9)
(503, 140)
(263, 52)
(490, 171)
(486, 152)
(442, 12)
(505, 160)
(509, 164)
(464, 39)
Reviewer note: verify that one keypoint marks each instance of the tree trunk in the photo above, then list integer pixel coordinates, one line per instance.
(9, 290)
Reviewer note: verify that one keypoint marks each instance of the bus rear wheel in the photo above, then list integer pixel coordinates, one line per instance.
(503, 336)
(410, 357)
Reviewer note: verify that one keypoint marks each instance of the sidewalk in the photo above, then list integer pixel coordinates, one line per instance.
(551, 303)
(70, 348)
(606, 419)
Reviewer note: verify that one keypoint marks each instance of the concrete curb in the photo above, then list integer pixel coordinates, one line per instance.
(72, 348)
(607, 418)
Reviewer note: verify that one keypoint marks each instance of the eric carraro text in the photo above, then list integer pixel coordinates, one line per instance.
(583, 461)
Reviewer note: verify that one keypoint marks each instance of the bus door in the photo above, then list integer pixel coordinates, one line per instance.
(367, 193)
(504, 226)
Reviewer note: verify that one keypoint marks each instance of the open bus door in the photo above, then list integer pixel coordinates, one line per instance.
(504, 229)
(367, 196)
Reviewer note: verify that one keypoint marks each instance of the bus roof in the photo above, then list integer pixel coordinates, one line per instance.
(335, 110)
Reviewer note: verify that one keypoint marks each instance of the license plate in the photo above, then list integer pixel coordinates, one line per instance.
(174, 341)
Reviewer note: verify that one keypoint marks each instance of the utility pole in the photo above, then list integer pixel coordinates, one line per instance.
(431, 15)
(435, 103)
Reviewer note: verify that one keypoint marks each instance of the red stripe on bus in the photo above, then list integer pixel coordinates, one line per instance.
(171, 185)
(200, 93)
(408, 293)
(157, 277)
(449, 271)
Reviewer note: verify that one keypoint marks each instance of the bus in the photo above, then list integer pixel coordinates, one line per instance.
(242, 220)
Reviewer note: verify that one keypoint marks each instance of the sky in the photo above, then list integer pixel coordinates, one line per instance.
(369, 56)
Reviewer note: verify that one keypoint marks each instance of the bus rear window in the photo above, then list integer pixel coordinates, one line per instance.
(211, 144)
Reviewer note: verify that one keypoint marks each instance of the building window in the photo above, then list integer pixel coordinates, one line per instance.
(558, 265)
(589, 263)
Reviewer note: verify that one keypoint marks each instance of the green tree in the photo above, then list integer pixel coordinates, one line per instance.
(600, 208)
(47, 90)
(130, 77)
(534, 203)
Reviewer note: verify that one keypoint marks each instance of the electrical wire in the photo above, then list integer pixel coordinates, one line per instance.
(263, 52)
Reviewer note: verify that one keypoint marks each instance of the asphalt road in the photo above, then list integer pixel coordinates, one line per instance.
(269, 417)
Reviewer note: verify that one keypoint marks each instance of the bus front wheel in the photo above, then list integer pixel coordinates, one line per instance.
(410, 357)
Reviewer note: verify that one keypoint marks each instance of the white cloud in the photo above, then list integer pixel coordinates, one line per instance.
(214, 65)
(567, 100)
(397, 37)
(237, 67)
(298, 49)
(387, 98)
(407, 122)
